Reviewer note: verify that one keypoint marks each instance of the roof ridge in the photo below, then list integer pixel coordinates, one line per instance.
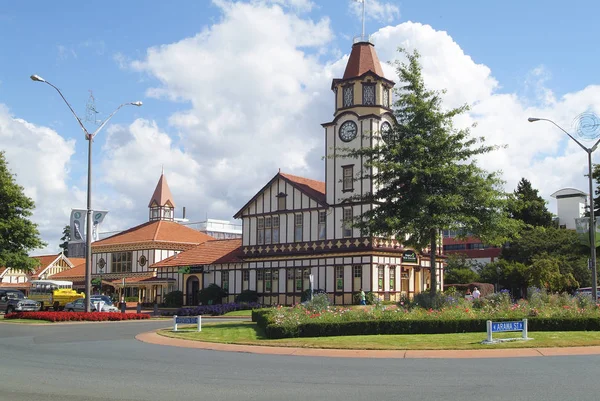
(154, 238)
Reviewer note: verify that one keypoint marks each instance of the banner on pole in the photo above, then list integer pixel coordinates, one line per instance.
(97, 218)
(77, 225)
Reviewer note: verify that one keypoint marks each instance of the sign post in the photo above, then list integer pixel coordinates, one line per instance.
(187, 320)
(499, 327)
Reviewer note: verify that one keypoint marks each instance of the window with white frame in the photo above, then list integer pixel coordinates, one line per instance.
(347, 222)
(225, 280)
(267, 230)
(121, 262)
(260, 231)
(380, 275)
(348, 178)
(322, 221)
(245, 275)
(275, 235)
(298, 218)
(357, 271)
(339, 278)
(392, 278)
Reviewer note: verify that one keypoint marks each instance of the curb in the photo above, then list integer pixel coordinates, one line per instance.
(153, 338)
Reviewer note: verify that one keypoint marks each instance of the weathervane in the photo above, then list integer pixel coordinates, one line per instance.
(587, 125)
(362, 36)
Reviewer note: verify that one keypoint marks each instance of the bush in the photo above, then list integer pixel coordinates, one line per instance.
(319, 303)
(247, 296)
(174, 299)
(213, 294)
(131, 299)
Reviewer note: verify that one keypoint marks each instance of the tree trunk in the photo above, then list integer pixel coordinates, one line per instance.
(432, 267)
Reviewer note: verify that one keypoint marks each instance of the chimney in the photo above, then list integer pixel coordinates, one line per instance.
(183, 212)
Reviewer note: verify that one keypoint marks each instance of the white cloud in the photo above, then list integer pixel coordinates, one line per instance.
(40, 158)
(379, 11)
(252, 97)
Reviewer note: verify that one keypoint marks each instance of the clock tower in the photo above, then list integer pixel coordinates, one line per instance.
(362, 105)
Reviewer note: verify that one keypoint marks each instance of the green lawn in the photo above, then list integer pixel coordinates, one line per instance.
(248, 333)
(21, 320)
(246, 313)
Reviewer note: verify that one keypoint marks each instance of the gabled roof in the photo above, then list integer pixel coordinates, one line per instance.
(363, 58)
(77, 271)
(210, 252)
(162, 194)
(312, 188)
(46, 261)
(156, 231)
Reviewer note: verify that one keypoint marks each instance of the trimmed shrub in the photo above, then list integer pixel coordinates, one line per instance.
(247, 296)
(211, 295)
(174, 299)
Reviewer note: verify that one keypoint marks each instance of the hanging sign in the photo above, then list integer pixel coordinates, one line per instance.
(409, 257)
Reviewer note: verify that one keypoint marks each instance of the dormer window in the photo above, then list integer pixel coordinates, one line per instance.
(168, 213)
(155, 213)
(368, 94)
(349, 96)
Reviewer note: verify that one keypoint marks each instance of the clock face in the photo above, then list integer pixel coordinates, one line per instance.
(348, 97)
(348, 131)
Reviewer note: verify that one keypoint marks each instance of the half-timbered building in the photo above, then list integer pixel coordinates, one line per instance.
(297, 233)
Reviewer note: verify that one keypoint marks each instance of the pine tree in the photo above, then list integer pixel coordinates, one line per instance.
(529, 207)
(65, 238)
(426, 175)
(18, 235)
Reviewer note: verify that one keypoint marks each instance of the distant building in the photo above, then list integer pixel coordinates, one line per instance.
(471, 247)
(219, 229)
(571, 204)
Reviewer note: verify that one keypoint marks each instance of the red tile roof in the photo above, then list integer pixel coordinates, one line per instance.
(313, 188)
(2, 269)
(162, 193)
(210, 252)
(149, 278)
(156, 231)
(363, 58)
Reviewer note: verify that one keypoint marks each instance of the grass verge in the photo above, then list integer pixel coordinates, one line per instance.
(248, 333)
(245, 313)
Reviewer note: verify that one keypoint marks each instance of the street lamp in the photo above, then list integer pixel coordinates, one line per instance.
(589, 152)
(89, 137)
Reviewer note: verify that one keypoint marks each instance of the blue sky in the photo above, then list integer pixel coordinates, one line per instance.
(509, 58)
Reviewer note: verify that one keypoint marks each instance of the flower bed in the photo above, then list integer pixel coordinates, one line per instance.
(215, 310)
(545, 312)
(76, 316)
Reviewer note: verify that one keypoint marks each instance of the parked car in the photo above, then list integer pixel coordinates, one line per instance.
(79, 306)
(107, 300)
(12, 300)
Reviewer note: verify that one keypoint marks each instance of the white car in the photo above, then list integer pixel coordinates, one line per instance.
(79, 306)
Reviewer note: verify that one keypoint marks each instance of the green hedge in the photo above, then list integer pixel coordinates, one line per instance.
(261, 316)
(372, 327)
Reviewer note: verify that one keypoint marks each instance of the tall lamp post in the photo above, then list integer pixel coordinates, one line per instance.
(89, 137)
(589, 152)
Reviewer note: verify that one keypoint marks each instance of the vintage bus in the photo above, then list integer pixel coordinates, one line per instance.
(53, 294)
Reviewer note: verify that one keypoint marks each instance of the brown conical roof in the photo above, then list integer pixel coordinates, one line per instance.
(162, 194)
(363, 58)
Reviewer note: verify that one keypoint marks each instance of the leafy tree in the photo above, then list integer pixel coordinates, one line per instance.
(18, 235)
(544, 272)
(596, 177)
(528, 206)
(66, 238)
(505, 274)
(459, 270)
(554, 242)
(425, 173)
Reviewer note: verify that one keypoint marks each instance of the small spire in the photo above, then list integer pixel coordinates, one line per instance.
(162, 169)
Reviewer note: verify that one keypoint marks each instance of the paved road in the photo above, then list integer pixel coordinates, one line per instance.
(103, 361)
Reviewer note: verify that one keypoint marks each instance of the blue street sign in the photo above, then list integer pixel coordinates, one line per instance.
(187, 320)
(507, 326)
